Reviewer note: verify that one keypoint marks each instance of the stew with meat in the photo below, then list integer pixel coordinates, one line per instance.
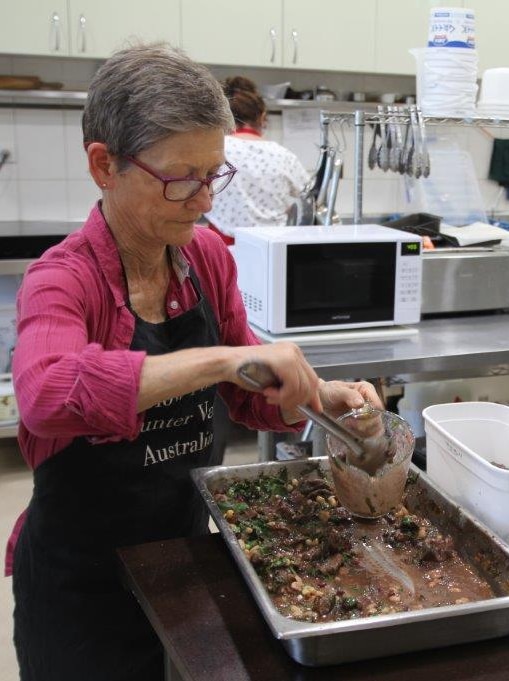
(319, 564)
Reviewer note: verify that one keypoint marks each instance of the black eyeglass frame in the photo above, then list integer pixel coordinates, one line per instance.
(169, 179)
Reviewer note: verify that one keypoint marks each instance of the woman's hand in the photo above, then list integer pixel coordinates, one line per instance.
(337, 397)
(297, 382)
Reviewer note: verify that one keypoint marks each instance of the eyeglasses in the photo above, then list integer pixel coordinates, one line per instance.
(184, 188)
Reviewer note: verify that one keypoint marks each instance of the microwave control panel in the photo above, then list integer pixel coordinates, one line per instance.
(408, 283)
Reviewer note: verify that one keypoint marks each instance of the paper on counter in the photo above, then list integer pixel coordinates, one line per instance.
(475, 233)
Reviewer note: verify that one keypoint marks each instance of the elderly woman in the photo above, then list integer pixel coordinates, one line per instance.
(125, 330)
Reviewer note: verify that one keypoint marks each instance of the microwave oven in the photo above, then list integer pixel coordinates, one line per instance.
(302, 279)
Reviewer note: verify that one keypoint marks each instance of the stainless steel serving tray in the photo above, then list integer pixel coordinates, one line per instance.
(336, 642)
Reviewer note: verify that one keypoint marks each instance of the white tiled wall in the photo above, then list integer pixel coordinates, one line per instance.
(47, 175)
(9, 205)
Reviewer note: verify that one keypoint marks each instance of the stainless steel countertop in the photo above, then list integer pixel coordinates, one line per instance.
(461, 347)
(458, 347)
(444, 348)
(14, 228)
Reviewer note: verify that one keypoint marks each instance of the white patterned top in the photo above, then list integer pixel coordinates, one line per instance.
(268, 177)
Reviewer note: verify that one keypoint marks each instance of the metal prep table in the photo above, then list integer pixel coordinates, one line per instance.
(453, 347)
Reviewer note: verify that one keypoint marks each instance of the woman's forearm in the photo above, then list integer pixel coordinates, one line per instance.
(178, 373)
(181, 372)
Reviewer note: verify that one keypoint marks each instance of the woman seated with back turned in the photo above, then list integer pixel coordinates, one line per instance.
(269, 176)
(125, 330)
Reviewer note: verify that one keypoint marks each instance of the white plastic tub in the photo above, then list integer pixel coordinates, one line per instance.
(464, 443)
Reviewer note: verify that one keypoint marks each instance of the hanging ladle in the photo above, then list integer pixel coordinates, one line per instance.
(367, 454)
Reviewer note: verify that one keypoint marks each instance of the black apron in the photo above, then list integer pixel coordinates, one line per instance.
(73, 620)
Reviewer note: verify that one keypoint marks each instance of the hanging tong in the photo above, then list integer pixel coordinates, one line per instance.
(405, 151)
(303, 210)
(331, 217)
(312, 187)
(397, 139)
(322, 194)
(425, 160)
(414, 164)
(322, 159)
(373, 151)
(383, 151)
(333, 190)
(321, 208)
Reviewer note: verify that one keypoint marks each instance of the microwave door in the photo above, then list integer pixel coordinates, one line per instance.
(340, 284)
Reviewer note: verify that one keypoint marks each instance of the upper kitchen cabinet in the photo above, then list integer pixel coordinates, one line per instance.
(85, 28)
(490, 32)
(327, 35)
(333, 35)
(98, 28)
(233, 33)
(400, 26)
(36, 27)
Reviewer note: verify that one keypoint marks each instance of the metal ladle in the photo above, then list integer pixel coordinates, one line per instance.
(367, 454)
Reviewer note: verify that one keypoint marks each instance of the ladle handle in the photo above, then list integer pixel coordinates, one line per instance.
(260, 376)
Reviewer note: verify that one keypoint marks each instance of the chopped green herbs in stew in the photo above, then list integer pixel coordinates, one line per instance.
(321, 565)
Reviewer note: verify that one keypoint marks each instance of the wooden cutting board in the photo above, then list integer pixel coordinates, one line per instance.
(19, 82)
(26, 83)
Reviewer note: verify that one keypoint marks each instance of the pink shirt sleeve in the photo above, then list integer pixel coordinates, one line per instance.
(66, 385)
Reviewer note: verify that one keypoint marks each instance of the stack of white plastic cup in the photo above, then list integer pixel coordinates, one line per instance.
(447, 68)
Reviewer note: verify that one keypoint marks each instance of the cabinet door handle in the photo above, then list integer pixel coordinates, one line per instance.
(273, 38)
(55, 31)
(82, 33)
(295, 39)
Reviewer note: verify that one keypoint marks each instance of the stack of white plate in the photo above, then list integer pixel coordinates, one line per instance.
(446, 81)
(494, 95)
(493, 110)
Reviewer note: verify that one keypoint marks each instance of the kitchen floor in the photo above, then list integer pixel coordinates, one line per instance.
(15, 491)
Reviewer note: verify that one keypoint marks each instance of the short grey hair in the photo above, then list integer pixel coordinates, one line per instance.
(145, 93)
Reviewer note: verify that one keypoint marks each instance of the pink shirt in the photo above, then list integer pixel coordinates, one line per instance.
(73, 371)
